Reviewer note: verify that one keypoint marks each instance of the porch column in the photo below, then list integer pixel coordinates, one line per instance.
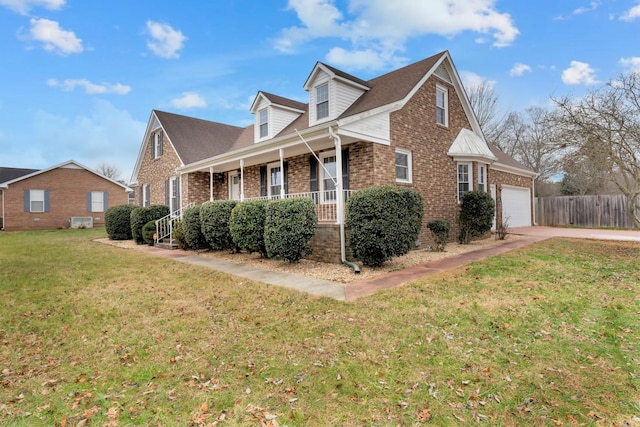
(282, 194)
(211, 183)
(241, 180)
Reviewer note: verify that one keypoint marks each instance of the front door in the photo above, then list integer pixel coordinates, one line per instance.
(234, 186)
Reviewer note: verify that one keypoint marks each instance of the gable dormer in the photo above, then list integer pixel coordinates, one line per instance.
(331, 92)
(273, 113)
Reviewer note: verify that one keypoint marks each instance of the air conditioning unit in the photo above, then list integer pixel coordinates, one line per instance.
(81, 222)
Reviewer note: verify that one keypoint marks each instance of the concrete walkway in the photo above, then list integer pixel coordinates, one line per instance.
(354, 290)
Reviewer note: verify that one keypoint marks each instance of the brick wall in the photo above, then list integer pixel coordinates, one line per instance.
(499, 178)
(155, 172)
(68, 189)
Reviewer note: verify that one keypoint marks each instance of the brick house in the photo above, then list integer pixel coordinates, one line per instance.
(62, 196)
(412, 127)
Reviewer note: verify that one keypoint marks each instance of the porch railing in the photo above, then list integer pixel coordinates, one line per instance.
(326, 206)
(164, 226)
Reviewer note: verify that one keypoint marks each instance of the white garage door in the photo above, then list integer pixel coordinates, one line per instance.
(516, 206)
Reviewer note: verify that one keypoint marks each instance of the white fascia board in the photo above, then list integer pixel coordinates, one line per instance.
(514, 170)
(363, 137)
(388, 108)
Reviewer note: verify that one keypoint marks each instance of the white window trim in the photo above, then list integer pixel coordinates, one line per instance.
(469, 179)
(269, 167)
(317, 102)
(323, 176)
(265, 122)
(173, 188)
(445, 107)
(483, 176)
(32, 199)
(409, 179)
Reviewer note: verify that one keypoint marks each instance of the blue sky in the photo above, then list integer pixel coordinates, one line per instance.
(78, 79)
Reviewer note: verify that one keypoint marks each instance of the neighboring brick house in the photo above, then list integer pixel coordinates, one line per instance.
(413, 127)
(62, 196)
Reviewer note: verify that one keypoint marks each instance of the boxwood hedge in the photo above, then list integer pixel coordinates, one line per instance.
(117, 222)
(247, 226)
(477, 210)
(215, 217)
(384, 222)
(192, 228)
(289, 225)
(142, 215)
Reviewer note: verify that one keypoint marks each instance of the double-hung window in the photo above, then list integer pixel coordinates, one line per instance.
(482, 177)
(36, 201)
(174, 185)
(264, 123)
(328, 182)
(464, 178)
(96, 201)
(146, 195)
(442, 113)
(322, 101)
(403, 166)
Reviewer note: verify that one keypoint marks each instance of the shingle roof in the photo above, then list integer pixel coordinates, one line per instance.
(9, 174)
(285, 102)
(197, 139)
(506, 159)
(393, 86)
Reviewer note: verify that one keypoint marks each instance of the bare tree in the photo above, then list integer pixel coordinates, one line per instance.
(109, 170)
(484, 102)
(609, 118)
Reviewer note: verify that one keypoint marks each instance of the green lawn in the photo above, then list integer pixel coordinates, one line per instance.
(96, 335)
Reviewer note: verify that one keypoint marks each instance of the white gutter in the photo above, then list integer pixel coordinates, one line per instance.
(340, 201)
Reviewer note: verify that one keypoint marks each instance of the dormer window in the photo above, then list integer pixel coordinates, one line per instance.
(264, 123)
(322, 101)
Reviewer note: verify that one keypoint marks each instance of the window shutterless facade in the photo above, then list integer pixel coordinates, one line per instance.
(322, 101)
(464, 178)
(442, 107)
(482, 177)
(264, 123)
(403, 166)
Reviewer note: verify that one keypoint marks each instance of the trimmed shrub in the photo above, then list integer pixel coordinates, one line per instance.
(215, 217)
(384, 222)
(288, 227)
(440, 232)
(140, 216)
(247, 226)
(178, 235)
(477, 210)
(117, 222)
(192, 228)
(148, 231)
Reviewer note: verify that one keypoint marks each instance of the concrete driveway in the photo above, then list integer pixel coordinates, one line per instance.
(579, 233)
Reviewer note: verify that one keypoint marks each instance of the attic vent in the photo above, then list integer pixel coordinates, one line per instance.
(81, 222)
(442, 72)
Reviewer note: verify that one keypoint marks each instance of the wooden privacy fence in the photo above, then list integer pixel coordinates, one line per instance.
(584, 211)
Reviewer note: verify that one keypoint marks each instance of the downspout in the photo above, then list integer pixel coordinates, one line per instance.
(340, 202)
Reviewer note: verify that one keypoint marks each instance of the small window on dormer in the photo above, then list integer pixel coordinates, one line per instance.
(322, 101)
(264, 123)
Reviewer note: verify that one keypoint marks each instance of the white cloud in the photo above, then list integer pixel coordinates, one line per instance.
(165, 41)
(471, 80)
(189, 100)
(90, 88)
(24, 6)
(383, 27)
(54, 38)
(579, 73)
(102, 134)
(584, 9)
(369, 59)
(632, 63)
(631, 14)
(519, 69)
